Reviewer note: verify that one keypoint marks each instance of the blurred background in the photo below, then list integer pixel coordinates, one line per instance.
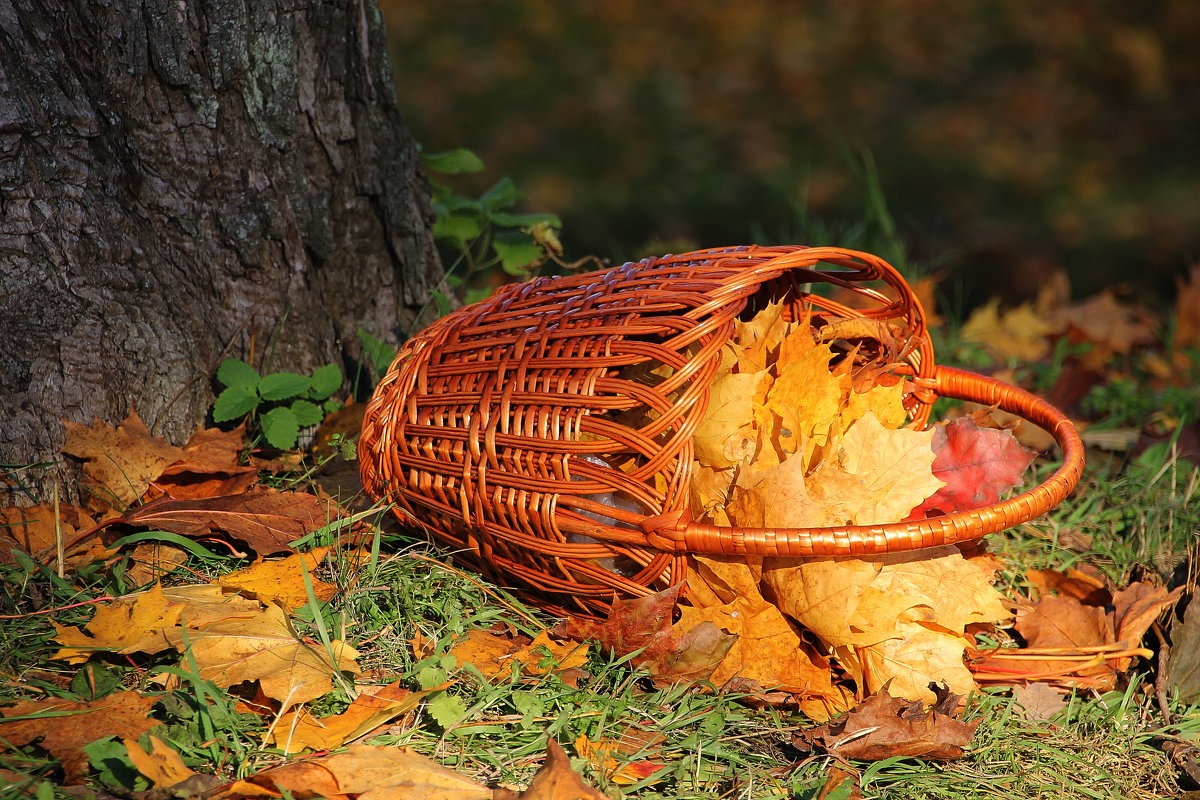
(1005, 139)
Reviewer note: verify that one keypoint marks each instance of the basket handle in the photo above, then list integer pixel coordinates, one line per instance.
(676, 532)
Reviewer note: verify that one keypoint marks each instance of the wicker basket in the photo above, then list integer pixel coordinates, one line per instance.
(544, 434)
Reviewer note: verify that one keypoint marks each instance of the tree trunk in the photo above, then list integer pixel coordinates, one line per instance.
(184, 180)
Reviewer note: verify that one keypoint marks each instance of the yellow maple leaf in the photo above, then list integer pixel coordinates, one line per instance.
(376, 771)
(1018, 334)
(758, 340)
(131, 624)
(727, 436)
(865, 611)
(776, 497)
(264, 648)
(161, 765)
(494, 654)
(875, 475)
(232, 639)
(807, 397)
(282, 580)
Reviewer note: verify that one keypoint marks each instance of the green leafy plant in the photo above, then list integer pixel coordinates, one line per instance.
(281, 403)
(487, 243)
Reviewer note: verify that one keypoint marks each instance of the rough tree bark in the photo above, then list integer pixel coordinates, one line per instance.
(177, 178)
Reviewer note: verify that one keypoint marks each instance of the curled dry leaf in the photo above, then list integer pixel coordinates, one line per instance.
(35, 531)
(669, 652)
(557, 781)
(210, 466)
(298, 730)
(883, 726)
(1072, 642)
(267, 520)
(496, 653)
(1183, 662)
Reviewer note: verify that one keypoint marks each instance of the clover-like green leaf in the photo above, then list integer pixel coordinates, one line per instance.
(325, 381)
(306, 413)
(280, 428)
(233, 372)
(234, 403)
(283, 385)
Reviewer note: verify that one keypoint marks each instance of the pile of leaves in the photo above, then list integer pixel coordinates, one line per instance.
(798, 435)
(150, 507)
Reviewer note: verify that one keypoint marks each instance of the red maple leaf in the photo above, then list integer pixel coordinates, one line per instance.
(977, 464)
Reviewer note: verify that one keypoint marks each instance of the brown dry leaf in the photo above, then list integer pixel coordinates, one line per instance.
(1038, 701)
(1134, 610)
(495, 653)
(1086, 588)
(1071, 642)
(281, 581)
(151, 561)
(1018, 334)
(210, 466)
(119, 463)
(33, 531)
(901, 617)
(265, 519)
(301, 779)
(668, 652)
(834, 780)
(297, 731)
(1111, 327)
(123, 714)
(615, 757)
(162, 765)
(1187, 311)
(883, 726)
(557, 781)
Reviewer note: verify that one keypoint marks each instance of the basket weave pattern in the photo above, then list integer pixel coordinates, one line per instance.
(544, 434)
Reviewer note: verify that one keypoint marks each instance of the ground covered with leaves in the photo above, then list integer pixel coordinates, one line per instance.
(224, 619)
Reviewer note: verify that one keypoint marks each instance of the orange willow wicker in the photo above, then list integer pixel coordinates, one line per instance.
(544, 434)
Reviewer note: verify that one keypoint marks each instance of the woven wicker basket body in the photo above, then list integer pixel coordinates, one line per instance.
(545, 434)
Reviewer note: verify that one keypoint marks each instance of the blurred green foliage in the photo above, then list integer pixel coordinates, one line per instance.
(1016, 136)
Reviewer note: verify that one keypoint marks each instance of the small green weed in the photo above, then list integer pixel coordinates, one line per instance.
(486, 243)
(280, 404)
